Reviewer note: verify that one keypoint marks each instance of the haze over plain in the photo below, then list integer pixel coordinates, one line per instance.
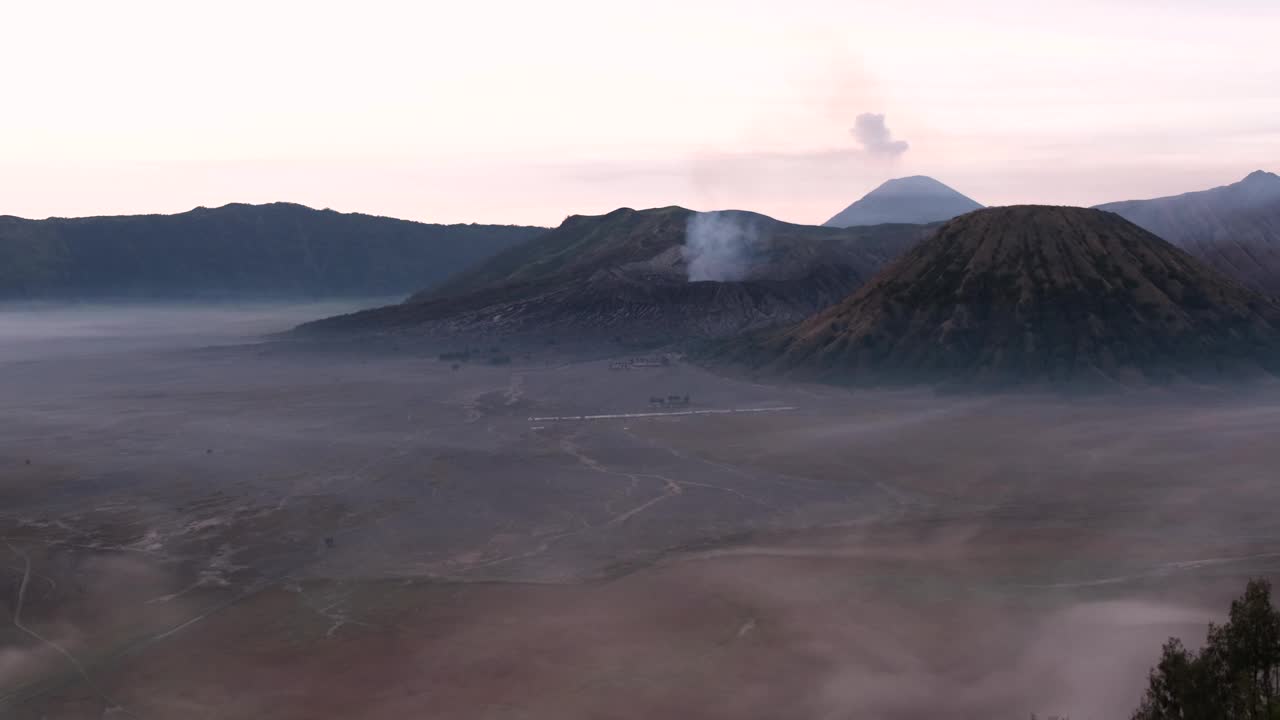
(647, 440)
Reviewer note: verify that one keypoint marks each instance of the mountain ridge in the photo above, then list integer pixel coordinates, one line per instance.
(237, 250)
(1234, 228)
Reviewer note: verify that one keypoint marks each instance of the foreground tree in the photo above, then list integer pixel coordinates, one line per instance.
(1235, 676)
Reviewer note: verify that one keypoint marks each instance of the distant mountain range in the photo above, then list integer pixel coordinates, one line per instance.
(636, 277)
(1029, 294)
(1235, 228)
(916, 199)
(263, 251)
(1032, 294)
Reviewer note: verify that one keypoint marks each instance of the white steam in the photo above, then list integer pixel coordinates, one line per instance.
(720, 246)
(875, 137)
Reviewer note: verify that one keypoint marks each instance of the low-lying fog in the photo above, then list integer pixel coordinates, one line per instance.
(44, 329)
(198, 523)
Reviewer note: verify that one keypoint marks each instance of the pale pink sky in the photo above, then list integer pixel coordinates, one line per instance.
(525, 112)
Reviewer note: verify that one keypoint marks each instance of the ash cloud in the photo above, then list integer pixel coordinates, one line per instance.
(719, 246)
(875, 137)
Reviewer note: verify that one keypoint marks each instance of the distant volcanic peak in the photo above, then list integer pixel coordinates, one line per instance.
(1262, 176)
(915, 199)
(914, 185)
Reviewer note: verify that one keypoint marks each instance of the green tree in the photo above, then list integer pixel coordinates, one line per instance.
(1235, 676)
(1253, 648)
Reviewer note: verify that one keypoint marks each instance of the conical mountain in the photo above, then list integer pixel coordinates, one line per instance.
(916, 199)
(1235, 228)
(1035, 294)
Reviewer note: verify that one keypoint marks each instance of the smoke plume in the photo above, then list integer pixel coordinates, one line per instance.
(875, 137)
(719, 246)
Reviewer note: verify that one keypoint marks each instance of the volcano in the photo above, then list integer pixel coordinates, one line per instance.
(916, 199)
(1033, 294)
(642, 277)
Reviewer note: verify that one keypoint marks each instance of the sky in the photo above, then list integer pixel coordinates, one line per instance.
(526, 112)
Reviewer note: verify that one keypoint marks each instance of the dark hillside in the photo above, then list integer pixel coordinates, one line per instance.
(635, 276)
(277, 250)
